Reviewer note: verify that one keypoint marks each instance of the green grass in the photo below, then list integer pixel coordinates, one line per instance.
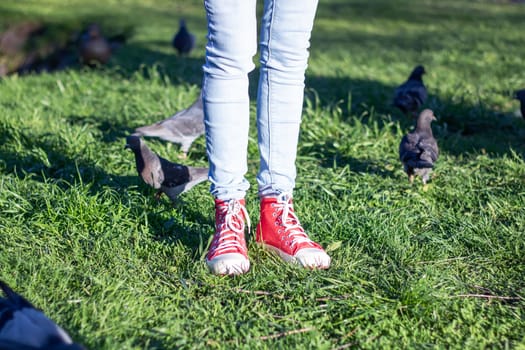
(84, 239)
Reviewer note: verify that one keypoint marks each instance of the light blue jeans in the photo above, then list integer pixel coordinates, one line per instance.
(232, 43)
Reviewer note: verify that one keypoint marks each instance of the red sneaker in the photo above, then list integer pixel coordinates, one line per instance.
(279, 230)
(228, 254)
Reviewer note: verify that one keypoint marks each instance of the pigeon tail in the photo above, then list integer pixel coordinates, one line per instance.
(174, 192)
(419, 164)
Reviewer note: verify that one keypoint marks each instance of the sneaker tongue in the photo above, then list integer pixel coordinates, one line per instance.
(284, 197)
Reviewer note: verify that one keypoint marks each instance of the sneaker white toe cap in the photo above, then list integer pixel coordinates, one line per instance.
(228, 264)
(313, 258)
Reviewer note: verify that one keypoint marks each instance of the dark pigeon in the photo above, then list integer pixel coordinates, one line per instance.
(412, 94)
(94, 47)
(520, 96)
(182, 128)
(23, 327)
(161, 174)
(183, 41)
(418, 150)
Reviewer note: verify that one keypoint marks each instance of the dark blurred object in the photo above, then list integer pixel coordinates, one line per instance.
(58, 58)
(32, 47)
(94, 48)
(23, 327)
(116, 41)
(16, 36)
(183, 41)
(520, 96)
(14, 42)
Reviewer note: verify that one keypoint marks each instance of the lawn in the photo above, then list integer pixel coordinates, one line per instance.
(412, 267)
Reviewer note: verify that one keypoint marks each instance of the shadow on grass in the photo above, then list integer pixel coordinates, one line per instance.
(43, 51)
(329, 156)
(469, 127)
(111, 129)
(186, 228)
(461, 127)
(44, 159)
(132, 58)
(407, 15)
(413, 12)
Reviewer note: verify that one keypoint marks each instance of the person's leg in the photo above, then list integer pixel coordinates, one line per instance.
(232, 43)
(284, 43)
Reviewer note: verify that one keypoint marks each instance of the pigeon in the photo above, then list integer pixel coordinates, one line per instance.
(183, 127)
(94, 47)
(183, 41)
(24, 327)
(412, 94)
(167, 177)
(520, 96)
(418, 150)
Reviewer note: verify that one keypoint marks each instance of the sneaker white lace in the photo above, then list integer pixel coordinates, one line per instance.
(227, 254)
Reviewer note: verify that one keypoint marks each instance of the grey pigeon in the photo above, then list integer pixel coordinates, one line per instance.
(418, 150)
(520, 96)
(23, 327)
(412, 94)
(94, 47)
(167, 177)
(183, 41)
(182, 128)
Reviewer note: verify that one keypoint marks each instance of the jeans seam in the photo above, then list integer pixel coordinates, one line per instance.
(269, 108)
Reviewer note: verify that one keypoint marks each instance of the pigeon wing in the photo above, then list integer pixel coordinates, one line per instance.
(174, 174)
(429, 150)
(196, 175)
(418, 91)
(410, 95)
(183, 127)
(408, 150)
